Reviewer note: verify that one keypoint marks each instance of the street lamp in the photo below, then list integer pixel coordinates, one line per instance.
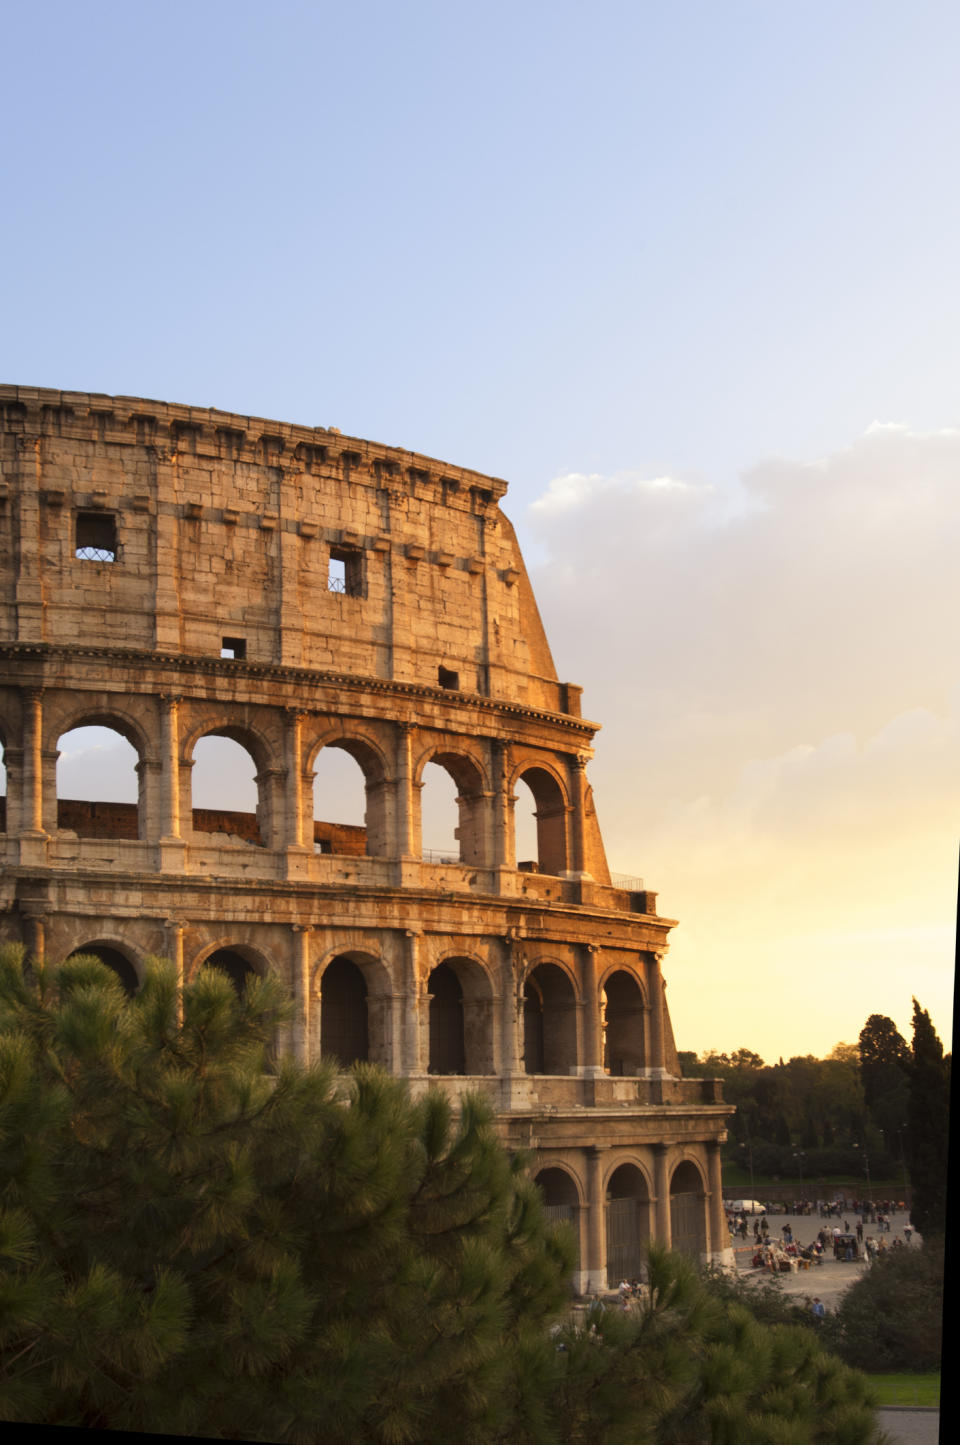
(866, 1165)
(798, 1154)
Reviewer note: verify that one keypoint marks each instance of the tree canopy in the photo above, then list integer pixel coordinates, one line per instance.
(928, 1136)
(192, 1245)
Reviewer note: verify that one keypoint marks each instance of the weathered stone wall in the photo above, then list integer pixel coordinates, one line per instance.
(200, 604)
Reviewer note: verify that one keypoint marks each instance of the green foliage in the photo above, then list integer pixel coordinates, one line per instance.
(190, 1245)
(928, 1137)
(891, 1318)
(695, 1365)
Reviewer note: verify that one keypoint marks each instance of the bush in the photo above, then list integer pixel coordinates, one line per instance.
(892, 1317)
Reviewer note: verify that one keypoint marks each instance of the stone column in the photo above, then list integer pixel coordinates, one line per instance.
(504, 838)
(413, 1032)
(34, 931)
(293, 820)
(404, 792)
(592, 1025)
(578, 846)
(596, 1257)
(33, 837)
(655, 1053)
(661, 1188)
(171, 848)
(174, 931)
(511, 1049)
(719, 1245)
(300, 968)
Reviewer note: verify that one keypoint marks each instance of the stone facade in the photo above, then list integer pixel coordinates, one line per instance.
(173, 573)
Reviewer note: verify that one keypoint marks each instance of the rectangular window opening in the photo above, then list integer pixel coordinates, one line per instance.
(346, 572)
(449, 679)
(234, 647)
(96, 539)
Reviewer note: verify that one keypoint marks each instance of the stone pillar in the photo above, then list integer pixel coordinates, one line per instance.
(578, 845)
(300, 969)
(174, 945)
(592, 1024)
(34, 931)
(661, 1200)
(413, 1052)
(171, 848)
(655, 1052)
(33, 837)
(595, 1263)
(504, 836)
(511, 1045)
(719, 1247)
(404, 792)
(271, 789)
(293, 811)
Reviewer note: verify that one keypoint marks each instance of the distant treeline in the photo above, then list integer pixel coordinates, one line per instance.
(877, 1108)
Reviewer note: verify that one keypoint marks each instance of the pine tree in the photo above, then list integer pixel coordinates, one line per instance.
(189, 1244)
(929, 1127)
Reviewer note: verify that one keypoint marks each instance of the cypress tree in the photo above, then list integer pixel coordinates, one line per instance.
(929, 1127)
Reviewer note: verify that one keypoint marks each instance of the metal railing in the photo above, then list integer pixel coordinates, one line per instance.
(626, 882)
(439, 855)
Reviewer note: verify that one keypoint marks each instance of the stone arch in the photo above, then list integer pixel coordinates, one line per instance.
(235, 824)
(562, 1199)
(354, 993)
(369, 836)
(467, 772)
(628, 1222)
(116, 955)
(551, 806)
(624, 1007)
(549, 1021)
(461, 1017)
(93, 815)
(688, 1209)
(236, 960)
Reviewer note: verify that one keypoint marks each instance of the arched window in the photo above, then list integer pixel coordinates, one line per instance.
(623, 1047)
(549, 1022)
(339, 803)
(628, 1224)
(237, 968)
(97, 783)
(224, 793)
(114, 960)
(550, 814)
(344, 1027)
(688, 1210)
(452, 810)
(447, 1053)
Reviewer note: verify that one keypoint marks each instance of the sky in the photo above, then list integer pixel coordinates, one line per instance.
(685, 276)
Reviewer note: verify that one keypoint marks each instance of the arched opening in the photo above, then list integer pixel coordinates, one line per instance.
(98, 787)
(344, 1025)
(451, 810)
(115, 960)
(461, 1009)
(623, 1044)
(628, 1224)
(237, 968)
(549, 1022)
(560, 1200)
(225, 798)
(550, 815)
(447, 1050)
(688, 1211)
(339, 803)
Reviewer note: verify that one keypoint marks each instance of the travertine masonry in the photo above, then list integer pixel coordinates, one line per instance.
(173, 573)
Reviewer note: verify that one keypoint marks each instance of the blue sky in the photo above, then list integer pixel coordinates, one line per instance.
(583, 248)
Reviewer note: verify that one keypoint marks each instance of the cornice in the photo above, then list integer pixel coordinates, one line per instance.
(302, 676)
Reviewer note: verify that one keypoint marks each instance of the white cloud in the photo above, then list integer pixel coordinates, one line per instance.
(778, 693)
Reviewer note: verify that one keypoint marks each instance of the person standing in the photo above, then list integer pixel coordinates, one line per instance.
(817, 1310)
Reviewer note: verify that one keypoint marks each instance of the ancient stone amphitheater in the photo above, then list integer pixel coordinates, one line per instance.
(173, 573)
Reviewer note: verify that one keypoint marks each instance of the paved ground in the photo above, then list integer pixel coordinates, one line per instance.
(828, 1279)
(911, 1427)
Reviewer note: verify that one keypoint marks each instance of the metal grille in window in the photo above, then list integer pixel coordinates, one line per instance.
(346, 572)
(96, 537)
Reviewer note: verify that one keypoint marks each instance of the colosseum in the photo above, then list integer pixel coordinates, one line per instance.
(175, 574)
